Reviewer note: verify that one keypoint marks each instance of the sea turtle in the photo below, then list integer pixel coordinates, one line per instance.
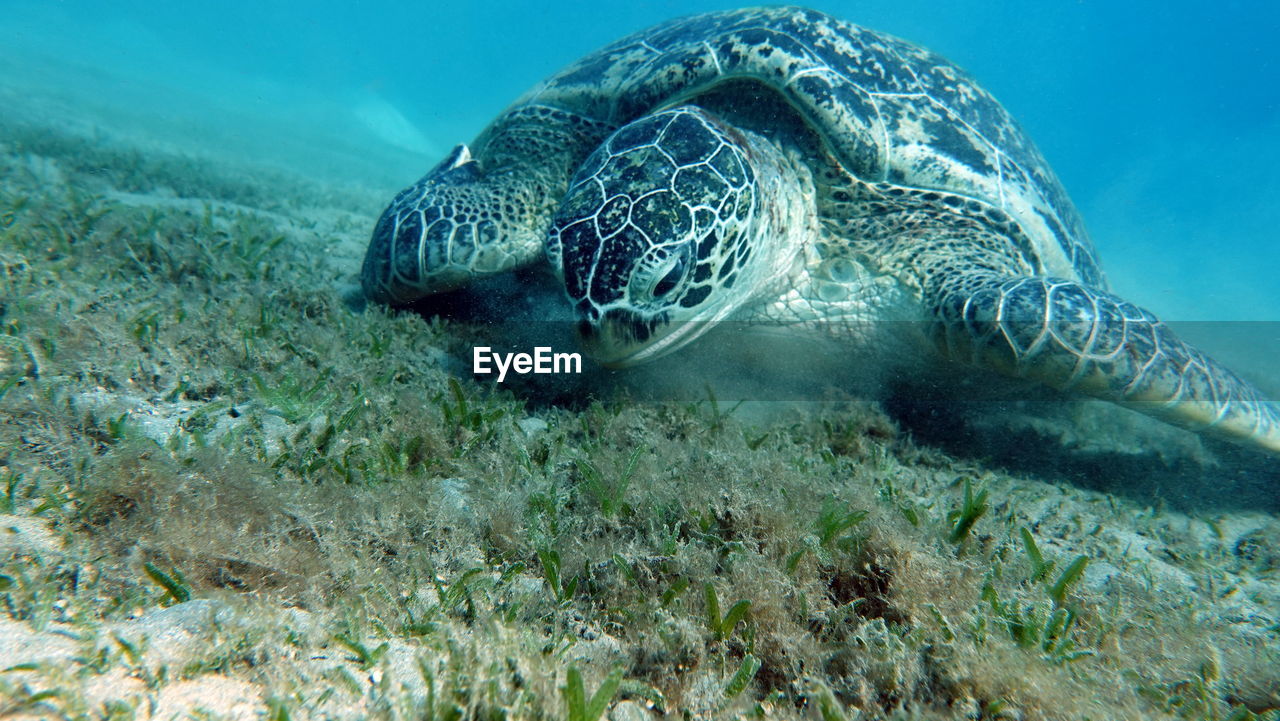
(780, 165)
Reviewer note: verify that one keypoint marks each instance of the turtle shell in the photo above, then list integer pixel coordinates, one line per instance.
(888, 112)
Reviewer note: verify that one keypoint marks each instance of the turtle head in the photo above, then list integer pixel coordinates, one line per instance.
(672, 224)
(447, 229)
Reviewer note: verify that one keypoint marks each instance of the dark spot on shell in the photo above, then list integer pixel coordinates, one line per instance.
(613, 215)
(707, 243)
(726, 268)
(695, 296)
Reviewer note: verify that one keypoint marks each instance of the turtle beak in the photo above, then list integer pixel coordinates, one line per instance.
(620, 338)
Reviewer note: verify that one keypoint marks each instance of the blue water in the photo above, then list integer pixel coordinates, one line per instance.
(1162, 119)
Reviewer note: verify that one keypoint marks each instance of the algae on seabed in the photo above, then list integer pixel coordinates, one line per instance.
(227, 491)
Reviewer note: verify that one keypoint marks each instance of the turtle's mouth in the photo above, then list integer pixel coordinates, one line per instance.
(623, 338)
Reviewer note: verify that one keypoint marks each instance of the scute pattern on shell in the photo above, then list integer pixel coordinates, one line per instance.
(890, 111)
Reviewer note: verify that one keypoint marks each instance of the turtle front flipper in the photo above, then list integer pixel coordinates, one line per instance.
(1076, 338)
(473, 216)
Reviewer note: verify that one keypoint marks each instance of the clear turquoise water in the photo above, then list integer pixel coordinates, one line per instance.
(1163, 119)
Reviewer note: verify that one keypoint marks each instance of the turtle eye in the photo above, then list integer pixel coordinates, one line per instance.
(668, 281)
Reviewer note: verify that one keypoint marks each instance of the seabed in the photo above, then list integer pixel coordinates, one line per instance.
(228, 490)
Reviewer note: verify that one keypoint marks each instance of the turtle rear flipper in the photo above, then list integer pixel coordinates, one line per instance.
(1077, 338)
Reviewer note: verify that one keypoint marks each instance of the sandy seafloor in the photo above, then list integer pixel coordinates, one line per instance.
(231, 490)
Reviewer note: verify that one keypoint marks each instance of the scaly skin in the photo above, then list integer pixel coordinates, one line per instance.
(1076, 338)
(870, 179)
(473, 216)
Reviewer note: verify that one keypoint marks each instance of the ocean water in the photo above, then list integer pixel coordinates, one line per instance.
(231, 425)
(1162, 119)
